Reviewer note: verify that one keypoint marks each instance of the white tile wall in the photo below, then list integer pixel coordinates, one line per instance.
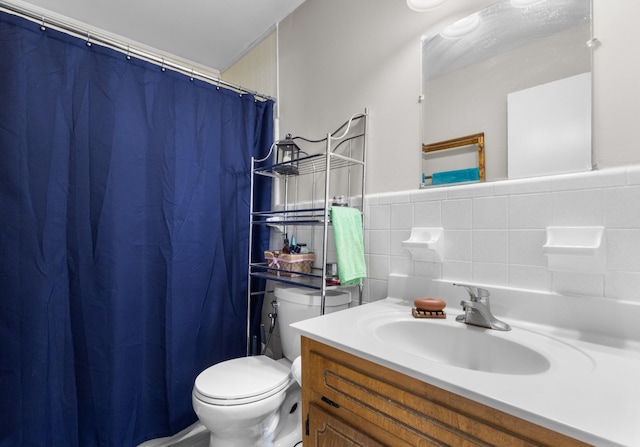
(494, 232)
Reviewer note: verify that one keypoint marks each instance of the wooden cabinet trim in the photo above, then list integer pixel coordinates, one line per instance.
(329, 431)
(409, 409)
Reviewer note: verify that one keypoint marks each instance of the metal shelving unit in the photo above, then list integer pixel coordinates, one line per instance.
(344, 156)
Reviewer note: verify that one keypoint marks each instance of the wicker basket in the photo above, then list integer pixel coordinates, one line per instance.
(287, 264)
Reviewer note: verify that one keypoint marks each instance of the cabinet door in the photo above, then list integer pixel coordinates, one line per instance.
(326, 430)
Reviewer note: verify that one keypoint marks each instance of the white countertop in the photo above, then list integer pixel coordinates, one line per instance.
(597, 401)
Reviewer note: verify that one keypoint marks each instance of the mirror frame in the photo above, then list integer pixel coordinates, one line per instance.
(453, 143)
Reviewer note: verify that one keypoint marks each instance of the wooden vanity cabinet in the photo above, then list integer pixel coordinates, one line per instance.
(349, 401)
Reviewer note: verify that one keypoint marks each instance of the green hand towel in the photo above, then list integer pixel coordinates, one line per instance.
(347, 234)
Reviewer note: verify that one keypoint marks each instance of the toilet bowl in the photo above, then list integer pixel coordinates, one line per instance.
(238, 400)
(256, 401)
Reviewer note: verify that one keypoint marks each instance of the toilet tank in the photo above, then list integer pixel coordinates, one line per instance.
(297, 304)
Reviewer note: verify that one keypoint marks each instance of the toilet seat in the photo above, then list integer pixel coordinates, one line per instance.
(241, 381)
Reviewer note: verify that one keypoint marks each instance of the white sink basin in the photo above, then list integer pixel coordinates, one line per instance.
(447, 342)
(569, 364)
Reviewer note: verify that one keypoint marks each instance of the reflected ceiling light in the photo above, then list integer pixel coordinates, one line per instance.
(462, 27)
(525, 3)
(424, 5)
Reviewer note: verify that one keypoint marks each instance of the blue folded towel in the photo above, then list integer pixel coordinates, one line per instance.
(349, 241)
(461, 175)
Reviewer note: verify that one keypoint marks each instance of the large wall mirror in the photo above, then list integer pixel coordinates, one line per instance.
(519, 72)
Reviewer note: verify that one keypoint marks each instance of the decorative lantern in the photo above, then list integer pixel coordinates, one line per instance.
(287, 156)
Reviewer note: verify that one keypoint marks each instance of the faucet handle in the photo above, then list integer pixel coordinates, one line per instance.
(475, 293)
(470, 290)
(483, 293)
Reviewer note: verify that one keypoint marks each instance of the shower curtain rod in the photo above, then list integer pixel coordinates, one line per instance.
(128, 50)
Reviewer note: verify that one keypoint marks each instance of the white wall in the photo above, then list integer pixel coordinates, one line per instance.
(339, 56)
(617, 82)
(257, 69)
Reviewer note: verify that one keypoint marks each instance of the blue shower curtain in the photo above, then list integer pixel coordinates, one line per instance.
(124, 210)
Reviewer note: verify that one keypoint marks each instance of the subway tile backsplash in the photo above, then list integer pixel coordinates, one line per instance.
(494, 232)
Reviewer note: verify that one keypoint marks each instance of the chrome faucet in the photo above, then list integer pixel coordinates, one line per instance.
(477, 310)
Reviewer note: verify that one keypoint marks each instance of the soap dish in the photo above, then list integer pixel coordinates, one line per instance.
(429, 308)
(419, 313)
(425, 244)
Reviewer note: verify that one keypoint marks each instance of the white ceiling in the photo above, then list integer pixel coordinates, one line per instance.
(210, 33)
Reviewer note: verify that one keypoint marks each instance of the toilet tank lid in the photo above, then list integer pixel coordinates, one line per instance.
(242, 378)
(312, 297)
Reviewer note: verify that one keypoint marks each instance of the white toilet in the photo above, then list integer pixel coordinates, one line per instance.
(255, 401)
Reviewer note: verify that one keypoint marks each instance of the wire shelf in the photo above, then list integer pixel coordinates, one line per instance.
(307, 165)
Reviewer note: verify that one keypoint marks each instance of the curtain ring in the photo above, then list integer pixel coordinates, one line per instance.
(218, 84)
(191, 78)
(128, 55)
(162, 66)
(88, 39)
(42, 27)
